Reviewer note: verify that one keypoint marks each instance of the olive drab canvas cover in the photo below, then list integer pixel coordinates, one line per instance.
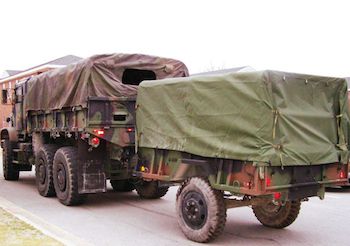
(274, 118)
(99, 75)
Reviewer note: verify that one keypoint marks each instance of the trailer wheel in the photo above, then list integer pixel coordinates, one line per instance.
(9, 169)
(122, 185)
(277, 216)
(43, 170)
(65, 176)
(201, 210)
(151, 190)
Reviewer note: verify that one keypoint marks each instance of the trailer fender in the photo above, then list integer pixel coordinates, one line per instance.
(192, 168)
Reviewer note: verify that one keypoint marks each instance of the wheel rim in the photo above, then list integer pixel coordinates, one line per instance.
(42, 171)
(194, 210)
(61, 177)
(270, 208)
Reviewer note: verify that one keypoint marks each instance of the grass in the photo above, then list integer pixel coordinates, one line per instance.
(14, 231)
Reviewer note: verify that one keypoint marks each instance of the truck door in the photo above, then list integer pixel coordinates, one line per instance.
(18, 109)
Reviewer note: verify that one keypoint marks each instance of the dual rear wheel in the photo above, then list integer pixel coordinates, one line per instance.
(56, 174)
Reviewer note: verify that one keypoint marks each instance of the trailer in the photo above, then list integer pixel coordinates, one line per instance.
(265, 139)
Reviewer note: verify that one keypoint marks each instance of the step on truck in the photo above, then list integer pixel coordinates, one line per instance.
(76, 125)
(268, 139)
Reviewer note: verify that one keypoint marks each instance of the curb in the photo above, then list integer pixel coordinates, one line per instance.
(48, 229)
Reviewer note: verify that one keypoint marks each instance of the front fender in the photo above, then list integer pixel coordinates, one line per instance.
(9, 133)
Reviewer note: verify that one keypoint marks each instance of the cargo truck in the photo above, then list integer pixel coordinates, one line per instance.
(76, 125)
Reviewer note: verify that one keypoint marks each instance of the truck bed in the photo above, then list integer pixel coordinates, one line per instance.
(116, 116)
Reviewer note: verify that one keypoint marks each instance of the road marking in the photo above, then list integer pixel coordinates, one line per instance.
(47, 228)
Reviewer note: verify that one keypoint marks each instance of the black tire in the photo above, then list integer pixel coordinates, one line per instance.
(201, 210)
(277, 216)
(122, 185)
(9, 169)
(44, 170)
(65, 176)
(151, 190)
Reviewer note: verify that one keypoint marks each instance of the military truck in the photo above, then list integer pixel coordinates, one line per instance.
(76, 125)
(266, 139)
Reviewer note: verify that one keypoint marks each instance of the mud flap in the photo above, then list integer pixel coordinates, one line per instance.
(91, 175)
(304, 175)
(303, 192)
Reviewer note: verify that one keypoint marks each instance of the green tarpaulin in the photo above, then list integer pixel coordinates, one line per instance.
(270, 117)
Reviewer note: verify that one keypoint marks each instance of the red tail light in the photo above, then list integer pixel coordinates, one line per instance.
(130, 129)
(95, 142)
(342, 174)
(99, 132)
(268, 182)
(277, 195)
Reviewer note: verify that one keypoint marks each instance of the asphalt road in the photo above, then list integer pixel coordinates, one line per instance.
(124, 219)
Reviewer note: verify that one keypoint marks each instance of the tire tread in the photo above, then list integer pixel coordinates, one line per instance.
(49, 152)
(70, 154)
(218, 207)
(151, 190)
(286, 219)
(9, 170)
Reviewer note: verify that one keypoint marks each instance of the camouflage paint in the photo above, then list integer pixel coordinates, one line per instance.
(240, 177)
(87, 96)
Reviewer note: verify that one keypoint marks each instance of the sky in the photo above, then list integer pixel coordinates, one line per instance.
(310, 37)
